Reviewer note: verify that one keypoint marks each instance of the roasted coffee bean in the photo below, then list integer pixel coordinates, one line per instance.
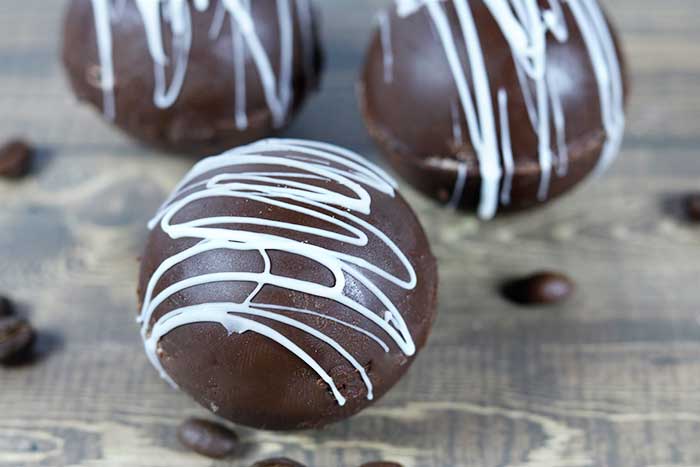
(278, 462)
(15, 159)
(381, 464)
(208, 438)
(16, 338)
(540, 288)
(6, 307)
(692, 207)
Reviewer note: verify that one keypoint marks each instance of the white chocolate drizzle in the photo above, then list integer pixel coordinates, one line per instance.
(508, 163)
(177, 16)
(462, 168)
(286, 182)
(525, 25)
(387, 50)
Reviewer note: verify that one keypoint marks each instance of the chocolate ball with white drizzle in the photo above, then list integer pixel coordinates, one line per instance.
(286, 285)
(195, 76)
(495, 105)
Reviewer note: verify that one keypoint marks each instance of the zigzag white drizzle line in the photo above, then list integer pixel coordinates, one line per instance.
(285, 186)
(525, 26)
(177, 14)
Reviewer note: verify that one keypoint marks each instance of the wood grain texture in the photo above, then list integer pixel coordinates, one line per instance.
(610, 379)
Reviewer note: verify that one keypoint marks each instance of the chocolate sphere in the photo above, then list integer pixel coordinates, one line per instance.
(286, 285)
(196, 76)
(495, 106)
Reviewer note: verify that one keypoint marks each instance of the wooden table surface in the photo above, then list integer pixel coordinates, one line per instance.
(610, 379)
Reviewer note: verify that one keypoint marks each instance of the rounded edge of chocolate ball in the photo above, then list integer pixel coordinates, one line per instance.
(202, 121)
(433, 168)
(250, 379)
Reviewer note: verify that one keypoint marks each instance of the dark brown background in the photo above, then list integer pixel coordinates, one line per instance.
(610, 379)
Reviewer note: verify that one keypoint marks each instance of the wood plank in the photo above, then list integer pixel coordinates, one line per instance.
(609, 379)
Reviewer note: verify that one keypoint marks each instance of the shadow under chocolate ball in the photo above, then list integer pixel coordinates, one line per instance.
(494, 108)
(195, 76)
(286, 285)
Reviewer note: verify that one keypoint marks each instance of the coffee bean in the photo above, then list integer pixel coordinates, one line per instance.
(6, 307)
(15, 159)
(208, 438)
(16, 338)
(381, 464)
(539, 289)
(692, 207)
(278, 462)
